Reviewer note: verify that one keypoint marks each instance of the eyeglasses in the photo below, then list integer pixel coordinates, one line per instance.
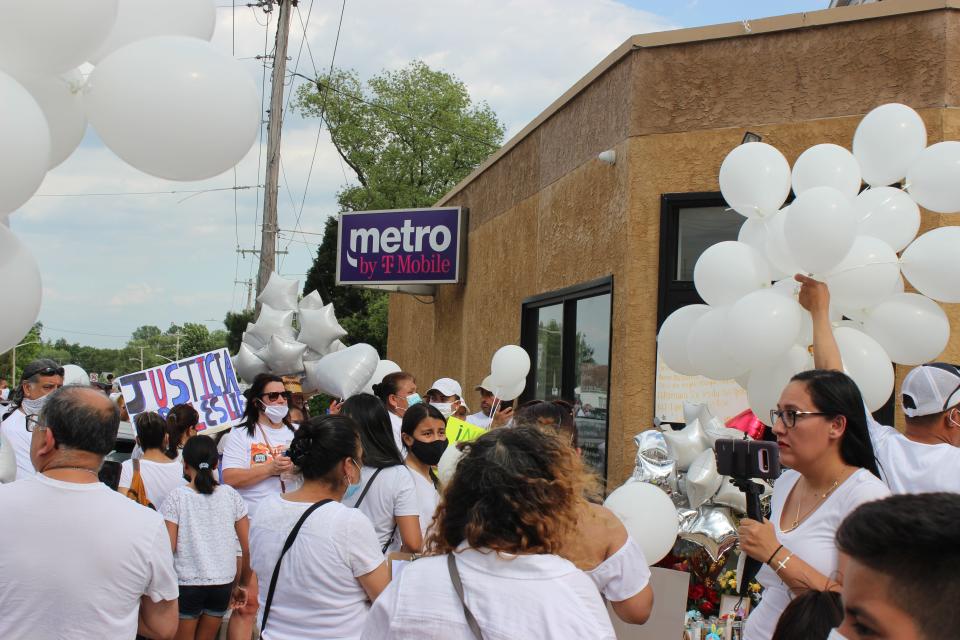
(33, 423)
(789, 416)
(273, 396)
(47, 371)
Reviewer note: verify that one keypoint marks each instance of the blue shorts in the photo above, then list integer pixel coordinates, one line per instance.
(208, 600)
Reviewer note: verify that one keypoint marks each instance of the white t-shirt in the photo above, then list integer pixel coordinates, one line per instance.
(243, 450)
(159, 478)
(397, 422)
(527, 596)
(205, 523)
(427, 498)
(813, 541)
(317, 594)
(8, 461)
(914, 467)
(392, 494)
(81, 553)
(15, 430)
(622, 575)
(479, 420)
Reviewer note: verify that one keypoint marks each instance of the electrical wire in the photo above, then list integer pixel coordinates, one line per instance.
(83, 333)
(148, 193)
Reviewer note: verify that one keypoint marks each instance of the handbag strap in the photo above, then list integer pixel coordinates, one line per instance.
(286, 547)
(363, 494)
(458, 587)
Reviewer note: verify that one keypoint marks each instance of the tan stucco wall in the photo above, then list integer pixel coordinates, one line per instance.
(548, 215)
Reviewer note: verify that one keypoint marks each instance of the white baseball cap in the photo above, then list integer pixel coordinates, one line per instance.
(447, 387)
(929, 389)
(487, 384)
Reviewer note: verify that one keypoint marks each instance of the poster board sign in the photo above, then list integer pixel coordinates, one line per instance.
(669, 608)
(401, 246)
(206, 381)
(460, 431)
(724, 397)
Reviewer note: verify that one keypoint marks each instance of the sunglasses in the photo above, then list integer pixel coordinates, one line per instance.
(47, 371)
(273, 396)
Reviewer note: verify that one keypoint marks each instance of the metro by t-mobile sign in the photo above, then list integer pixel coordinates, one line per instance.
(402, 246)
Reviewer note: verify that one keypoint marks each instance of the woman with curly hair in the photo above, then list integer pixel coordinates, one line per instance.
(493, 570)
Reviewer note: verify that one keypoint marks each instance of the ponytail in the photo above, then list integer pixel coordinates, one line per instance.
(181, 419)
(200, 454)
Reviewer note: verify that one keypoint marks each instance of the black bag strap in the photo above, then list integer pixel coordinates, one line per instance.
(363, 494)
(386, 544)
(458, 587)
(286, 547)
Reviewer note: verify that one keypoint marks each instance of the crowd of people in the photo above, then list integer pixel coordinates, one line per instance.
(290, 526)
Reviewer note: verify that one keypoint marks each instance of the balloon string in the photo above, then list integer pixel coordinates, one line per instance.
(862, 266)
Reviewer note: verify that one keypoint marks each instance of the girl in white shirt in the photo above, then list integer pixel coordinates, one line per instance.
(509, 508)
(821, 429)
(387, 494)
(424, 434)
(333, 566)
(181, 426)
(160, 474)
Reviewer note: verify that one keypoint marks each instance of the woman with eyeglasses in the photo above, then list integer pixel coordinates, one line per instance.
(322, 585)
(255, 463)
(821, 429)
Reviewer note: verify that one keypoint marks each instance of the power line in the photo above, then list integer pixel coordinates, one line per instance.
(263, 94)
(149, 193)
(83, 333)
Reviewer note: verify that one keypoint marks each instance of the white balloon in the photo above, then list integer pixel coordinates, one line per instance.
(312, 301)
(768, 382)
(337, 345)
(777, 251)
(252, 339)
(510, 363)
(912, 328)
(319, 328)
(686, 444)
(702, 479)
(174, 107)
(728, 270)
(141, 19)
(22, 289)
(889, 214)
(868, 364)
(75, 375)
(696, 411)
(344, 373)
(52, 36)
(384, 368)
(62, 104)
(511, 391)
(674, 335)
(706, 347)
(819, 228)
(24, 144)
(755, 179)
(715, 430)
(248, 365)
(886, 143)
(827, 165)
(867, 275)
(649, 516)
(270, 317)
(448, 464)
(283, 355)
(933, 179)
(280, 293)
(761, 327)
(932, 264)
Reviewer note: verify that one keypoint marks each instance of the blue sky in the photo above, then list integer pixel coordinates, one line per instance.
(113, 263)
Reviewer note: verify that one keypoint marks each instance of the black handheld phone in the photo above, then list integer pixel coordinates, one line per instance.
(748, 459)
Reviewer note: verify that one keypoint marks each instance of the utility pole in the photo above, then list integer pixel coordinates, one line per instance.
(268, 237)
(249, 285)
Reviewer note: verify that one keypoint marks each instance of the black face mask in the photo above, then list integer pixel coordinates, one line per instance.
(428, 452)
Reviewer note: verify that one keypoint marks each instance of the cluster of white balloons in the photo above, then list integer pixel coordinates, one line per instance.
(758, 334)
(508, 373)
(160, 96)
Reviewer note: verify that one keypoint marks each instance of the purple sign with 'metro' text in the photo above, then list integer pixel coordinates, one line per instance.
(402, 246)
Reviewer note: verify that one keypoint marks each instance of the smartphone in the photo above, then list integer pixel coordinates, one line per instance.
(504, 405)
(747, 459)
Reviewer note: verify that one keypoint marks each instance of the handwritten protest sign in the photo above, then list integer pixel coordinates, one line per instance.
(206, 381)
(460, 431)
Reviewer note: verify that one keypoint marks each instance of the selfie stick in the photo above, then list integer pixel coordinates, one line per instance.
(753, 491)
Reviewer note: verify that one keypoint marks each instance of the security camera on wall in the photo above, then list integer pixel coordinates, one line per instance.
(609, 156)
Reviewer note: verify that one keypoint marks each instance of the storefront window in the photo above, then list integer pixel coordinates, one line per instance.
(593, 378)
(549, 352)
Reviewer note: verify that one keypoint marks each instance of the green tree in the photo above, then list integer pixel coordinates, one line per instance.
(236, 324)
(410, 136)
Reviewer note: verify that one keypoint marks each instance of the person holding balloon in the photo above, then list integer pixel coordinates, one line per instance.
(821, 429)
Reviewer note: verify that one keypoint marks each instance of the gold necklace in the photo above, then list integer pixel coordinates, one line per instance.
(820, 498)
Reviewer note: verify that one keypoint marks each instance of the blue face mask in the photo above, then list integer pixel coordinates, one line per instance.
(353, 488)
(413, 398)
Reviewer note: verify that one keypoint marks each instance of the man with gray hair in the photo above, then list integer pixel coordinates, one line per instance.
(80, 560)
(40, 378)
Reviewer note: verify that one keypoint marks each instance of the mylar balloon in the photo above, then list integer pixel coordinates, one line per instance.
(933, 179)
(24, 144)
(728, 270)
(252, 339)
(52, 36)
(819, 228)
(140, 19)
(174, 107)
(827, 165)
(755, 179)
(337, 345)
(283, 356)
(886, 143)
(649, 516)
(706, 347)
(696, 411)
(673, 337)
(280, 293)
(702, 479)
(761, 327)
(270, 317)
(868, 274)
(686, 444)
(312, 301)
(344, 373)
(75, 375)
(712, 528)
(62, 105)
(868, 364)
(932, 264)
(888, 214)
(911, 328)
(248, 364)
(319, 328)
(22, 289)
(384, 368)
